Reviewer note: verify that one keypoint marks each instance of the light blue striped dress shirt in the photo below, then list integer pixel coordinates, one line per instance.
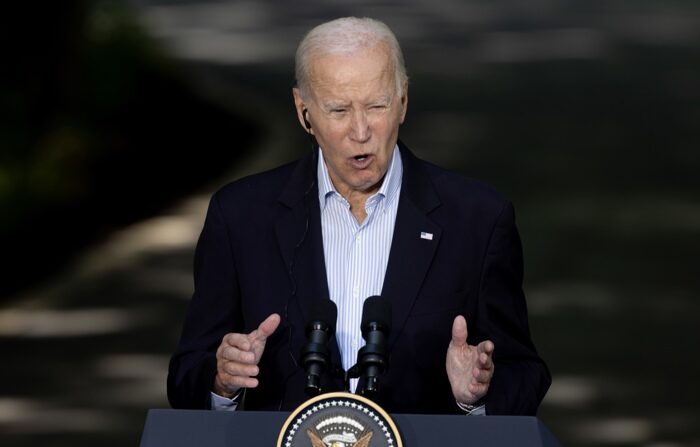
(356, 254)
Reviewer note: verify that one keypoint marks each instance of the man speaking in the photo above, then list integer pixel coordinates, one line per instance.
(359, 216)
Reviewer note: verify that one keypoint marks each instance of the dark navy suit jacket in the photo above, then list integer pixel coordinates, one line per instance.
(261, 251)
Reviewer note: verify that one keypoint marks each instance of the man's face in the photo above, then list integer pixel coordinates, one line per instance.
(355, 111)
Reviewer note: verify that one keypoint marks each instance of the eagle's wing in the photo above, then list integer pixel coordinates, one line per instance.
(363, 441)
(315, 440)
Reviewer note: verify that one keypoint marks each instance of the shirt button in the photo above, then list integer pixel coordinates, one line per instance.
(357, 237)
(354, 344)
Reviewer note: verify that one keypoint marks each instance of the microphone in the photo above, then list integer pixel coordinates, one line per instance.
(372, 358)
(315, 356)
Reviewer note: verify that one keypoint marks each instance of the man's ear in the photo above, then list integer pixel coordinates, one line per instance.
(404, 102)
(302, 110)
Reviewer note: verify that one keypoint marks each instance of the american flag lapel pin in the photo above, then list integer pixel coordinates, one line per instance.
(426, 236)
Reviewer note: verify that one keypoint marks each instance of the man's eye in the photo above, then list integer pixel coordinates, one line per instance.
(338, 110)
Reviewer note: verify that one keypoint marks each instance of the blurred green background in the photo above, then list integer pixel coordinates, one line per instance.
(120, 118)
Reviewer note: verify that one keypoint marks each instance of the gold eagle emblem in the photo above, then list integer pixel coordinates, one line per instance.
(349, 441)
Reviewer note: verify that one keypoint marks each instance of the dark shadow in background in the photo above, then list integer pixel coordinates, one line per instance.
(99, 128)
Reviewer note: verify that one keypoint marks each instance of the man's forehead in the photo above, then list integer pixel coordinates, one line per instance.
(329, 95)
(333, 76)
(331, 102)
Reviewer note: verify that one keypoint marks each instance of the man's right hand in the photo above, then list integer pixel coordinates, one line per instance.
(238, 356)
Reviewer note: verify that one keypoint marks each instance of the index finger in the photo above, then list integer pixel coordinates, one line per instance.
(486, 346)
(485, 350)
(239, 341)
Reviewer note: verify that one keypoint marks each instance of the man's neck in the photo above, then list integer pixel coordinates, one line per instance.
(357, 201)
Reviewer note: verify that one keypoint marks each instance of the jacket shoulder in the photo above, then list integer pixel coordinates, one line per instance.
(456, 189)
(261, 187)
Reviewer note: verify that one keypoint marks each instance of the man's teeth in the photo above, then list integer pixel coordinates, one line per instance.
(360, 157)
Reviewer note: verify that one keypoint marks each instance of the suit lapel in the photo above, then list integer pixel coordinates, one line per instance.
(299, 237)
(414, 243)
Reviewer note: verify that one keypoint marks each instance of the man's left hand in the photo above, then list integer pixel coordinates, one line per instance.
(469, 368)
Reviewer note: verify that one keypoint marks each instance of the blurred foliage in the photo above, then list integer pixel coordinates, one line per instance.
(97, 128)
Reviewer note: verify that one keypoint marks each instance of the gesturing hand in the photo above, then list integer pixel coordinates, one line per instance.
(238, 356)
(469, 368)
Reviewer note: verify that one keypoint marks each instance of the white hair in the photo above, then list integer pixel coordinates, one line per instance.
(347, 36)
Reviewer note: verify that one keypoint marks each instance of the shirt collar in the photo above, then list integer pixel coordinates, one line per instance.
(389, 188)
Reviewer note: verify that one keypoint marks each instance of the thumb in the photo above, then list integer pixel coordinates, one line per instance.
(459, 331)
(266, 328)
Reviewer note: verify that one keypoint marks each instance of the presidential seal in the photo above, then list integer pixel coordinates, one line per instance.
(339, 420)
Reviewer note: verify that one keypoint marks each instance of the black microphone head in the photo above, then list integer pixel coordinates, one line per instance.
(322, 311)
(377, 311)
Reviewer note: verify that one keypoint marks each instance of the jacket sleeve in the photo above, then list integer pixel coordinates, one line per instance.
(213, 312)
(521, 378)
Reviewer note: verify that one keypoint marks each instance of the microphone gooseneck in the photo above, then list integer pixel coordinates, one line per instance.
(315, 356)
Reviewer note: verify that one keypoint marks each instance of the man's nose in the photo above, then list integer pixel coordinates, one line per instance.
(359, 130)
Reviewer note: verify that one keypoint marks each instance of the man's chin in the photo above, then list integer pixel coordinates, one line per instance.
(370, 185)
